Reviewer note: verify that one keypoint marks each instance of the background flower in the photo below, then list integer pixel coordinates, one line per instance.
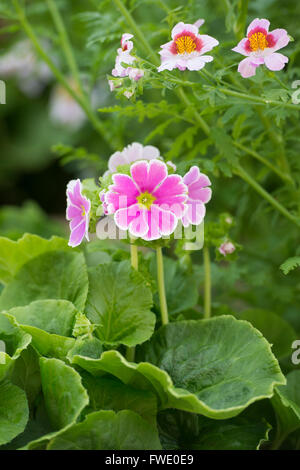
(149, 202)
(130, 154)
(78, 210)
(198, 195)
(226, 248)
(260, 47)
(186, 49)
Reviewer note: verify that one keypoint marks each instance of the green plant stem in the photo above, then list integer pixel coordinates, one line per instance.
(65, 42)
(248, 178)
(204, 126)
(161, 287)
(130, 351)
(80, 99)
(207, 282)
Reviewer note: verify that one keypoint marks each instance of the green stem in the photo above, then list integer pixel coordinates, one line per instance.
(99, 127)
(65, 42)
(130, 351)
(207, 282)
(248, 178)
(161, 287)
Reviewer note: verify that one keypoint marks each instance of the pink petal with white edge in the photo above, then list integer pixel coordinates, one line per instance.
(73, 211)
(147, 175)
(180, 27)
(197, 63)
(247, 68)
(77, 234)
(124, 216)
(241, 47)
(194, 214)
(208, 43)
(257, 23)
(192, 175)
(280, 37)
(139, 225)
(123, 184)
(276, 61)
(172, 192)
(161, 223)
(198, 193)
(133, 152)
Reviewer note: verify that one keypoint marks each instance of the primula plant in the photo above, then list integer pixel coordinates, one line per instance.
(164, 320)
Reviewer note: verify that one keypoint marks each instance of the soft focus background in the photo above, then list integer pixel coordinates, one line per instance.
(39, 124)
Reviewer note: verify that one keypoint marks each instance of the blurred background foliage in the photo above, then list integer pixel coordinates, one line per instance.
(40, 152)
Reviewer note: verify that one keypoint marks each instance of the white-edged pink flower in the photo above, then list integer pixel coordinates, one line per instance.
(226, 248)
(135, 73)
(260, 48)
(131, 154)
(186, 49)
(103, 201)
(78, 213)
(198, 195)
(148, 203)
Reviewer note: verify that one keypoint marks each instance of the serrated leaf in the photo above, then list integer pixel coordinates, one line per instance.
(290, 264)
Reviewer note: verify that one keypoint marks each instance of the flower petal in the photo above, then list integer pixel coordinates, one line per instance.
(147, 175)
(280, 38)
(77, 234)
(194, 214)
(150, 152)
(276, 61)
(257, 23)
(116, 159)
(247, 68)
(180, 27)
(208, 43)
(241, 48)
(197, 63)
(198, 193)
(160, 222)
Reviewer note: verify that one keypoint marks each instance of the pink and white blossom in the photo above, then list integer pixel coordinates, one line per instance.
(123, 56)
(260, 47)
(198, 195)
(226, 248)
(131, 154)
(149, 202)
(187, 48)
(78, 213)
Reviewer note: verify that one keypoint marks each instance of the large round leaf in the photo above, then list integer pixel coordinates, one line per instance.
(13, 411)
(214, 367)
(53, 275)
(275, 329)
(119, 301)
(107, 430)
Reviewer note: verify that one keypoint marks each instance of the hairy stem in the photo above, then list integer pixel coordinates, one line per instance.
(130, 351)
(161, 287)
(207, 282)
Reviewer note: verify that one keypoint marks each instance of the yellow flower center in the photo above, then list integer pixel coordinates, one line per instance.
(145, 200)
(185, 44)
(258, 41)
(83, 211)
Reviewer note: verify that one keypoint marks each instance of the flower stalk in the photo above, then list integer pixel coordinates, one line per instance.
(207, 282)
(161, 287)
(130, 351)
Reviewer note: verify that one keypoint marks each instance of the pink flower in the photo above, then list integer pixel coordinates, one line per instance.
(123, 56)
(149, 202)
(260, 47)
(131, 154)
(78, 210)
(186, 49)
(198, 195)
(226, 248)
(135, 74)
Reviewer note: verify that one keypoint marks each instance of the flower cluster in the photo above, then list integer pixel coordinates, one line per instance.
(145, 197)
(124, 66)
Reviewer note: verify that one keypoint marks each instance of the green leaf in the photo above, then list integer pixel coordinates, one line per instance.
(181, 430)
(107, 430)
(181, 286)
(50, 324)
(53, 275)
(26, 374)
(13, 255)
(119, 301)
(109, 393)
(64, 395)
(15, 341)
(286, 403)
(290, 264)
(274, 328)
(214, 367)
(13, 411)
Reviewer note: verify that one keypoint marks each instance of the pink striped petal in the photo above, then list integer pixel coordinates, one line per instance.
(77, 234)
(199, 193)
(257, 23)
(73, 211)
(194, 214)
